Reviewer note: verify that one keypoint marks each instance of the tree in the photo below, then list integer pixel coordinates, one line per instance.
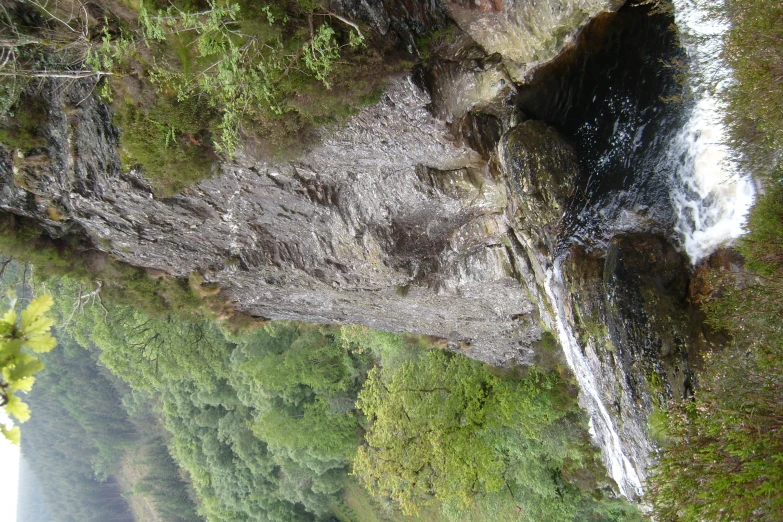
(433, 431)
(18, 366)
(443, 429)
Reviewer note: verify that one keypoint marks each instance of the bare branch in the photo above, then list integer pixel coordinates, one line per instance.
(76, 75)
(42, 8)
(347, 22)
(19, 42)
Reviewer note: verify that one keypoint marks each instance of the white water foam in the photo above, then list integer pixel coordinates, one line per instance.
(709, 193)
(601, 425)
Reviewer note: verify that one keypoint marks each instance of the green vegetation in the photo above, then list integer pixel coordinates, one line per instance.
(79, 430)
(86, 422)
(266, 424)
(443, 429)
(23, 131)
(723, 454)
(30, 333)
(755, 117)
(189, 80)
(169, 139)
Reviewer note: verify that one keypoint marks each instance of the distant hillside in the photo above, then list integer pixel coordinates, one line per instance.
(31, 506)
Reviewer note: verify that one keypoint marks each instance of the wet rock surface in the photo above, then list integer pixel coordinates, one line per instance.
(614, 99)
(639, 331)
(526, 34)
(541, 167)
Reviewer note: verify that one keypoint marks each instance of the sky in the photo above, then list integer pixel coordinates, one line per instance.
(9, 476)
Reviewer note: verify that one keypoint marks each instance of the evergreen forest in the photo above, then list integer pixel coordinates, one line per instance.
(151, 412)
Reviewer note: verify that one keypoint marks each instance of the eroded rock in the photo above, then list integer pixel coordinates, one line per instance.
(527, 34)
(387, 223)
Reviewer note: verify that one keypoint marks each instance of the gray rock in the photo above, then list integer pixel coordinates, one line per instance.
(526, 33)
(387, 223)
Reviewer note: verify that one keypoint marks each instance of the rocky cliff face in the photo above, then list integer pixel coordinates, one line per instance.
(526, 34)
(436, 211)
(387, 223)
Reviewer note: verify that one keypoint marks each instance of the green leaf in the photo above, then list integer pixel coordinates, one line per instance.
(17, 408)
(25, 365)
(24, 385)
(33, 320)
(41, 343)
(13, 435)
(9, 318)
(10, 350)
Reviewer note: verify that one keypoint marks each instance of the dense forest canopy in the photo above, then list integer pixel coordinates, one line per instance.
(265, 425)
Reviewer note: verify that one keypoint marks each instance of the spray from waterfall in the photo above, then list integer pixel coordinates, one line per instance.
(710, 195)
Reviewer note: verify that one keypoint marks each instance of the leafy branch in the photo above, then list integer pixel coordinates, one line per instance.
(17, 366)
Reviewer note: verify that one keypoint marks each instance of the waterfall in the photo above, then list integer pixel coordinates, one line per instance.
(710, 195)
(601, 425)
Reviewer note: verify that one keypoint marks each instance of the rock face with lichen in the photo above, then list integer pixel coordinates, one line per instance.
(526, 34)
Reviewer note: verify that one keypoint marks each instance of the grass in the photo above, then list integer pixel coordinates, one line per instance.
(756, 102)
(171, 141)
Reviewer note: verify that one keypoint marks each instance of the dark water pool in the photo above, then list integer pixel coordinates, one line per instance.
(617, 95)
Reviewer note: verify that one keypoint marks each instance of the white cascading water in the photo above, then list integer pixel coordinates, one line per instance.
(710, 197)
(602, 427)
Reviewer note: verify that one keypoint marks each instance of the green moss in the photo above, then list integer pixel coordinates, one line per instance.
(22, 128)
(427, 43)
(170, 141)
(656, 426)
(655, 382)
(402, 290)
